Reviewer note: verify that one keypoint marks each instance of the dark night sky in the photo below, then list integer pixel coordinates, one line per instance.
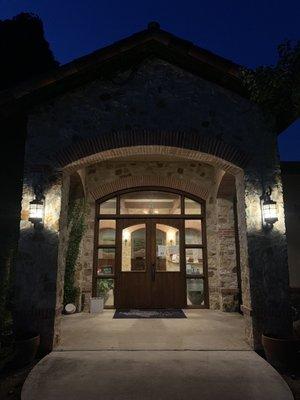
(245, 31)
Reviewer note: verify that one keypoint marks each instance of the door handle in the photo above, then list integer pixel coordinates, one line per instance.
(153, 270)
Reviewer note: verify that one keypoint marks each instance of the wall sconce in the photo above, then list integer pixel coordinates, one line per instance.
(36, 210)
(269, 209)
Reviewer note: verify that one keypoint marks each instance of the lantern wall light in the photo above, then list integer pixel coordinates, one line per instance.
(37, 210)
(269, 209)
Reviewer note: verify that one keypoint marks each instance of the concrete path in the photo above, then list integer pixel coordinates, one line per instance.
(201, 357)
(201, 330)
(154, 375)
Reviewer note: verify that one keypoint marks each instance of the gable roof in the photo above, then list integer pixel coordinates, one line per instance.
(151, 42)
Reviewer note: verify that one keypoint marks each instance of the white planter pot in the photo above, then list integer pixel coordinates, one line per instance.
(96, 305)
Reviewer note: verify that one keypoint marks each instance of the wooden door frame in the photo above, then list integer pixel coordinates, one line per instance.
(120, 225)
(178, 224)
(117, 216)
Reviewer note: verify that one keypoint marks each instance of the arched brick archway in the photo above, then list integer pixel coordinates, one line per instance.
(171, 143)
(138, 181)
(85, 154)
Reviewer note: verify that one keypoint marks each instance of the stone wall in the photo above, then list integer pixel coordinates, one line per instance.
(291, 191)
(227, 256)
(35, 290)
(159, 96)
(291, 187)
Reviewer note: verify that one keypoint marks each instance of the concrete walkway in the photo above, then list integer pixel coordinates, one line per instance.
(159, 375)
(201, 330)
(201, 357)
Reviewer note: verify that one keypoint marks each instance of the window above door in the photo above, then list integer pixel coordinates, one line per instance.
(151, 203)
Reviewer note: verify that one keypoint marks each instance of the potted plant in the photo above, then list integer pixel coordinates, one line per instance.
(103, 288)
(281, 352)
(96, 305)
(26, 347)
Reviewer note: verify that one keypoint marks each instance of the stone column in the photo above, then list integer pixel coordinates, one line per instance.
(227, 256)
(267, 252)
(213, 253)
(246, 306)
(87, 253)
(61, 257)
(35, 274)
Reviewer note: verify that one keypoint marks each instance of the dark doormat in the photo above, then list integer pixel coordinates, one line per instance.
(134, 314)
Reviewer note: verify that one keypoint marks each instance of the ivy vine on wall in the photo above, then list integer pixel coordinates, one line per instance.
(76, 227)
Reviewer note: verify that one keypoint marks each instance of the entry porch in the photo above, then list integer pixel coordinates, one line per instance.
(203, 329)
(203, 356)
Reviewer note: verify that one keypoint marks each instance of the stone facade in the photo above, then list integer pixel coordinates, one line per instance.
(228, 270)
(291, 191)
(187, 112)
(291, 186)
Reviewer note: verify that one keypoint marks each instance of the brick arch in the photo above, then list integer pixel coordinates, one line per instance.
(172, 143)
(139, 181)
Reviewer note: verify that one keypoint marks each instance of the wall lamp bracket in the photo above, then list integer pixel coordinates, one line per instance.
(37, 209)
(268, 209)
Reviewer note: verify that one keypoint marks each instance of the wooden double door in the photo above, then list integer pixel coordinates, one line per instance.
(149, 264)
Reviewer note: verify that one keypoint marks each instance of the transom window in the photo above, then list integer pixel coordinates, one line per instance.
(176, 249)
(150, 202)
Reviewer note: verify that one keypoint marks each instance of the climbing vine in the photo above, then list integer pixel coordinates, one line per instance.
(277, 88)
(76, 228)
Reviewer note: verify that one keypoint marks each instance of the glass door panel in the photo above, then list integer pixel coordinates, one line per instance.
(193, 231)
(133, 276)
(134, 248)
(194, 261)
(106, 261)
(107, 232)
(167, 248)
(167, 276)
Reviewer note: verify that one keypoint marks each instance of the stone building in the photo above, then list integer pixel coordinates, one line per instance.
(155, 142)
(290, 171)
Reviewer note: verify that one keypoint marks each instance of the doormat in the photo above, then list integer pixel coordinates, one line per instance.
(135, 314)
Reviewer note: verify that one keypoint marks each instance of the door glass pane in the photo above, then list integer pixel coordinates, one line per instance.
(134, 248)
(195, 292)
(106, 261)
(191, 206)
(193, 231)
(150, 202)
(109, 206)
(107, 232)
(167, 248)
(105, 289)
(194, 261)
